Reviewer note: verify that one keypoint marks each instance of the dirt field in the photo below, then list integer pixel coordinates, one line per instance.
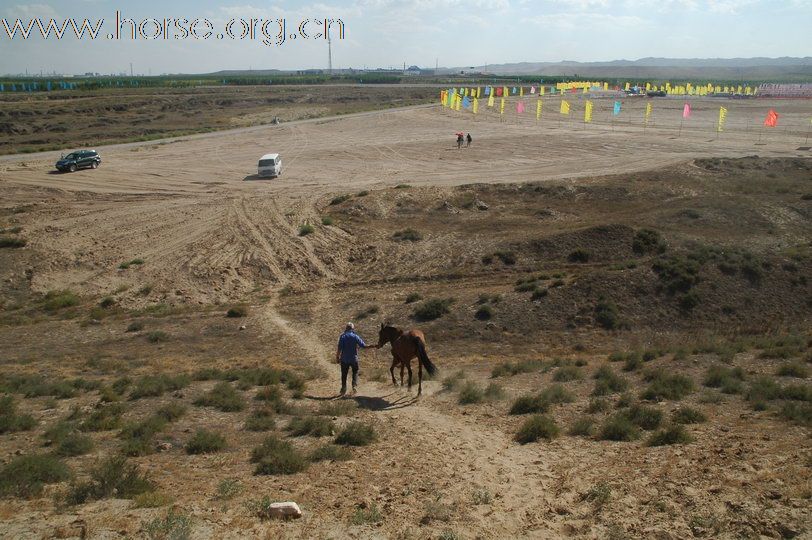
(681, 263)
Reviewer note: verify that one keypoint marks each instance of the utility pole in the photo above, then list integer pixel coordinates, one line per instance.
(330, 54)
(131, 69)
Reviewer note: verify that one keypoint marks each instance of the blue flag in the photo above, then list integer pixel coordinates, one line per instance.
(466, 102)
(514, 90)
(487, 90)
(616, 110)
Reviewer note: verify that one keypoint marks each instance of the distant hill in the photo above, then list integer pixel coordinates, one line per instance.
(784, 68)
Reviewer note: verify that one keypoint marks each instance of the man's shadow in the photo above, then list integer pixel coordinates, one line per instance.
(373, 403)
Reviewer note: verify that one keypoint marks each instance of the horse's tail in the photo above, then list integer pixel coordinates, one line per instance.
(423, 356)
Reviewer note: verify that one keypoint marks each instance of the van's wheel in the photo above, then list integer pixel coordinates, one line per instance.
(72, 168)
(94, 165)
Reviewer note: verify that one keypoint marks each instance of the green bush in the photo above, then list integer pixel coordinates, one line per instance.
(12, 242)
(237, 311)
(326, 220)
(579, 256)
(664, 386)
(619, 428)
(157, 385)
(56, 300)
(314, 426)
(25, 476)
(103, 418)
(433, 309)
(10, 420)
(157, 336)
(643, 416)
(107, 301)
(135, 326)
(537, 427)
(633, 362)
(470, 393)
(171, 411)
(222, 397)
(306, 229)
(340, 199)
(173, 526)
(687, 415)
(567, 373)
(598, 405)
(793, 369)
(648, 241)
(366, 516)
(205, 442)
(729, 380)
(260, 420)
(412, 297)
(608, 382)
(528, 404)
(275, 456)
(337, 408)
(330, 452)
(73, 444)
(606, 314)
(484, 313)
(509, 368)
(407, 235)
(356, 434)
(798, 413)
(556, 393)
(675, 434)
(152, 499)
(583, 426)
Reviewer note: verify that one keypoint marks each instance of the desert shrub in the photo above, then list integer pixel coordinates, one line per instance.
(173, 526)
(260, 420)
(797, 392)
(157, 336)
(366, 516)
(711, 397)
(470, 393)
(275, 456)
(606, 314)
(135, 326)
(793, 369)
(633, 362)
(330, 452)
(305, 229)
(205, 442)
(137, 437)
(107, 301)
(222, 397)
(370, 310)
(315, 426)
(227, 489)
(433, 309)
(556, 393)
(402, 186)
(537, 427)
(484, 313)
(356, 434)
(73, 444)
(528, 404)
(121, 384)
(152, 499)
(12, 242)
(687, 415)
(25, 476)
(340, 199)
(644, 416)
(677, 273)
(665, 386)
(37, 386)
(648, 241)
(579, 256)
(511, 368)
(798, 413)
(567, 373)
(157, 385)
(113, 477)
(583, 426)
(236, 312)
(598, 405)
(763, 389)
(363, 193)
(269, 393)
(453, 381)
(494, 391)
(11, 420)
(729, 380)
(326, 220)
(618, 427)
(481, 496)
(171, 411)
(608, 382)
(598, 494)
(412, 297)
(56, 300)
(538, 294)
(507, 257)
(675, 434)
(337, 408)
(407, 235)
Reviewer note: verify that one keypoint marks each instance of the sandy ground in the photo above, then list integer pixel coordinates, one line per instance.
(207, 227)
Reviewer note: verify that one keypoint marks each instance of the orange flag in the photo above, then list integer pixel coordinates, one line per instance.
(772, 119)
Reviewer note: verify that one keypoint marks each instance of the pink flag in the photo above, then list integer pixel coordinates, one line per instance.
(686, 111)
(520, 107)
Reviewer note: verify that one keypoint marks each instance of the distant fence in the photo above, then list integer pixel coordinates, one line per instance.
(785, 90)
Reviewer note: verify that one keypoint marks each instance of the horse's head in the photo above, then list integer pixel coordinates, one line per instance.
(387, 334)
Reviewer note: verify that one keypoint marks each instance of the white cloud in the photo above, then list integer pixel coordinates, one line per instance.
(30, 11)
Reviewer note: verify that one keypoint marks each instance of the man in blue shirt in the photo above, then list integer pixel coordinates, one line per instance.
(347, 355)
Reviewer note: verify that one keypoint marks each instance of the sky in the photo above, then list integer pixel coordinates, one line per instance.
(389, 33)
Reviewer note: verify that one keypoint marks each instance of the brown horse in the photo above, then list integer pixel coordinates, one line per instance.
(405, 347)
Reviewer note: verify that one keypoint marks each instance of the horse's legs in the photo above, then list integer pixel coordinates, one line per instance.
(419, 377)
(409, 367)
(392, 371)
(402, 368)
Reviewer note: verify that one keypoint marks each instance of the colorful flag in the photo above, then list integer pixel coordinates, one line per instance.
(514, 90)
(520, 107)
(648, 112)
(490, 100)
(772, 119)
(466, 102)
(722, 117)
(616, 109)
(565, 107)
(686, 111)
(476, 105)
(538, 110)
(541, 90)
(521, 91)
(502, 107)
(499, 91)
(487, 90)
(588, 111)
(532, 89)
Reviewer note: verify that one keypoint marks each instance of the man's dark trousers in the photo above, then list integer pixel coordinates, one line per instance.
(345, 368)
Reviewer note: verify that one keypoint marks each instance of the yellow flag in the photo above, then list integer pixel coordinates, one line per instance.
(478, 90)
(475, 108)
(502, 106)
(628, 86)
(490, 98)
(588, 111)
(722, 117)
(648, 112)
(565, 107)
(458, 104)
(521, 91)
(648, 87)
(586, 90)
(606, 86)
(442, 98)
(541, 90)
(538, 110)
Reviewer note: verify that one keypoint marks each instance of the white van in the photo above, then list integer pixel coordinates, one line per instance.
(270, 165)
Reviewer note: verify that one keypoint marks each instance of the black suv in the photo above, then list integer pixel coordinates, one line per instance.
(79, 160)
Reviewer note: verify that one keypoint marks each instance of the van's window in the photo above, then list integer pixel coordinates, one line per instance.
(265, 162)
(73, 155)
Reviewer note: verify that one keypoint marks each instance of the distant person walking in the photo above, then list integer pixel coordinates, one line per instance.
(347, 355)
(459, 140)
(468, 140)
